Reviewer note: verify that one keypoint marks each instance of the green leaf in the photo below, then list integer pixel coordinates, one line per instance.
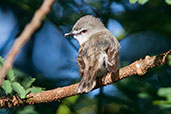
(11, 75)
(19, 90)
(63, 109)
(132, 1)
(158, 102)
(169, 98)
(143, 95)
(169, 60)
(164, 92)
(1, 61)
(35, 89)
(168, 2)
(71, 100)
(27, 110)
(28, 82)
(142, 1)
(162, 103)
(6, 85)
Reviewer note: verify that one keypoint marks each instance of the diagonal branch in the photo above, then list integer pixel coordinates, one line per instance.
(25, 36)
(139, 67)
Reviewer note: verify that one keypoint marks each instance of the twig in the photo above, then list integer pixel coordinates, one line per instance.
(25, 36)
(139, 67)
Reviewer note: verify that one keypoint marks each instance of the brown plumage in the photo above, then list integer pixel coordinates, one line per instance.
(89, 53)
(98, 53)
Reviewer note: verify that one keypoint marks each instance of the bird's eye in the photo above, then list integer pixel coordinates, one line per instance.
(84, 31)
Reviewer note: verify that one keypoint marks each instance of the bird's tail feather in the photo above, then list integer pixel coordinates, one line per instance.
(88, 81)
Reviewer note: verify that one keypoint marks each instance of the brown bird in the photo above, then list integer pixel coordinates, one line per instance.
(98, 53)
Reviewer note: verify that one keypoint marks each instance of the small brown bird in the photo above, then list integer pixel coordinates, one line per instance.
(98, 53)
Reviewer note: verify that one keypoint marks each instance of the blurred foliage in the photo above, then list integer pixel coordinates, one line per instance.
(145, 1)
(139, 1)
(164, 92)
(66, 106)
(168, 2)
(136, 95)
(27, 110)
(18, 83)
(169, 60)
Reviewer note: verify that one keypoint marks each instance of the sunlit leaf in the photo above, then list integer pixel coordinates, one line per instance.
(6, 85)
(35, 89)
(142, 1)
(11, 75)
(143, 95)
(19, 90)
(169, 98)
(132, 1)
(169, 60)
(63, 109)
(28, 82)
(72, 99)
(168, 2)
(162, 103)
(1, 61)
(164, 91)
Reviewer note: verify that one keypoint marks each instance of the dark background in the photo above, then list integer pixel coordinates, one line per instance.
(142, 29)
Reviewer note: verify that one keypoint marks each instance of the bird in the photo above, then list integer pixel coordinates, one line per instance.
(98, 53)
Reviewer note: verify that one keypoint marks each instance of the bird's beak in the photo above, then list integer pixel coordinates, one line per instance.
(68, 34)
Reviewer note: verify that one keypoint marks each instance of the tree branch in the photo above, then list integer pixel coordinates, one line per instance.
(139, 67)
(25, 36)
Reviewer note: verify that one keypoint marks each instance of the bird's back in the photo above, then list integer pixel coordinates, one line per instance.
(99, 42)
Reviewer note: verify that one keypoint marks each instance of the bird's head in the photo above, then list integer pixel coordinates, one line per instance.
(85, 27)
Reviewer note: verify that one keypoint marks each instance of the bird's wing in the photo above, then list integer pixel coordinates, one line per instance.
(106, 42)
(87, 69)
(113, 59)
(100, 42)
(80, 62)
(88, 81)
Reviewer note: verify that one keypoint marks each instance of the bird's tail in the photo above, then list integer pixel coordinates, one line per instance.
(88, 81)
